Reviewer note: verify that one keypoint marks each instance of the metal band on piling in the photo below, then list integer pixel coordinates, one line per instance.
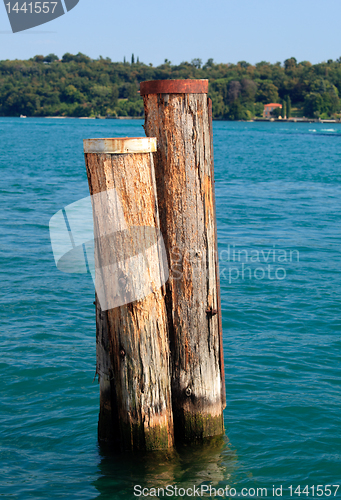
(120, 145)
(174, 87)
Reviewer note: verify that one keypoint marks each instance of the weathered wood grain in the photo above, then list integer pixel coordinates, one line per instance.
(132, 340)
(185, 188)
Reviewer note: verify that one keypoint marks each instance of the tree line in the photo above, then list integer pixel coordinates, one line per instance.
(77, 85)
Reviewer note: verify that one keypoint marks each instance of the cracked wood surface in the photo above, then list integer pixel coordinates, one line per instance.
(185, 189)
(132, 340)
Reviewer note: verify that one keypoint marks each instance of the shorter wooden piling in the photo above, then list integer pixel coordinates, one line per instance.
(133, 362)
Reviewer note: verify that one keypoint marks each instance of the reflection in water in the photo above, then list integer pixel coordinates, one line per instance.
(210, 463)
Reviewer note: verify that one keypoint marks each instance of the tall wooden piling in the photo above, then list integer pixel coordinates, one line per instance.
(177, 114)
(132, 338)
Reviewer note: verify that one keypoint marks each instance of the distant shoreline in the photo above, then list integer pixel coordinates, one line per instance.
(255, 120)
(295, 120)
(93, 117)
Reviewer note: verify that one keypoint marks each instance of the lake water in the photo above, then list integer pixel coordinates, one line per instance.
(278, 195)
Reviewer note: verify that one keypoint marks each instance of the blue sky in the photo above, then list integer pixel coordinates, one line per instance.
(226, 30)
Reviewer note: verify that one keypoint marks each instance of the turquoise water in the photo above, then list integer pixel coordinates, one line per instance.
(278, 194)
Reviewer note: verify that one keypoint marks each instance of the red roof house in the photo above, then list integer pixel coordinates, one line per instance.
(268, 108)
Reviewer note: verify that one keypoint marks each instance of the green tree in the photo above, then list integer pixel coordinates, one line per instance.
(234, 91)
(237, 111)
(71, 95)
(209, 63)
(283, 114)
(51, 58)
(313, 105)
(288, 106)
(290, 64)
(81, 86)
(331, 100)
(218, 106)
(197, 63)
(276, 113)
(267, 92)
(67, 57)
(248, 90)
(244, 64)
(259, 108)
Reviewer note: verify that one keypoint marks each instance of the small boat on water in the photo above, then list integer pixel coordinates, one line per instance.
(23, 116)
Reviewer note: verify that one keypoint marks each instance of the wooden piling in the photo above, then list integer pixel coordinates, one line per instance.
(132, 338)
(177, 114)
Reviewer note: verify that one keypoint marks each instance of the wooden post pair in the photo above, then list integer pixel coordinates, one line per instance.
(159, 355)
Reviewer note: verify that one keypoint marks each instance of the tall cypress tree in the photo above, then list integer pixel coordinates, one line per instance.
(132, 59)
(288, 107)
(283, 114)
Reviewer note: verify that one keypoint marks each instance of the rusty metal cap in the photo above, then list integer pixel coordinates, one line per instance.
(174, 87)
(120, 145)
